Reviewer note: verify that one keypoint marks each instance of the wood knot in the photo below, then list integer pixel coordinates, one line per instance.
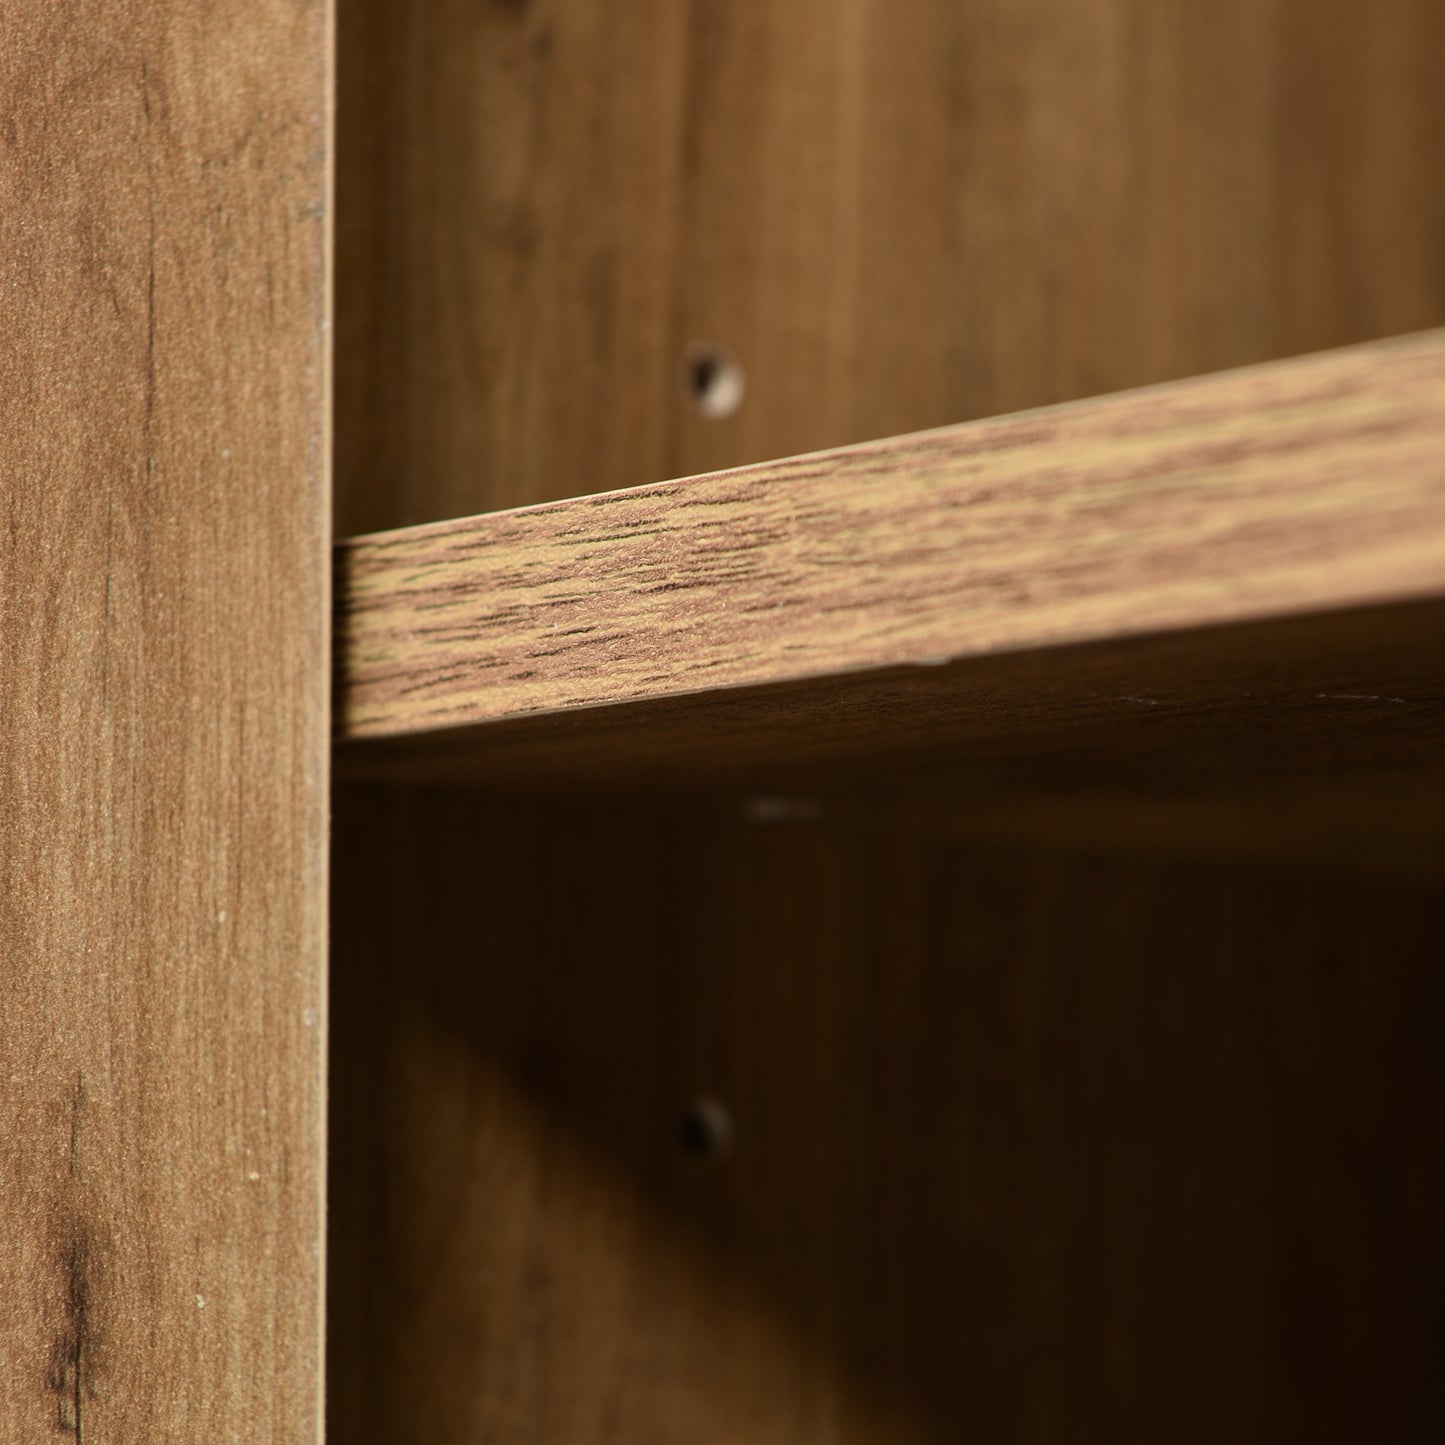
(74, 1355)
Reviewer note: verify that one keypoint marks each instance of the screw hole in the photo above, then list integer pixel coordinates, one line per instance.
(706, 1130)
(712, 380)
(782, 810)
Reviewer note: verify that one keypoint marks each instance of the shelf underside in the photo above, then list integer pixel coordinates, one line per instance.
(1220, 593)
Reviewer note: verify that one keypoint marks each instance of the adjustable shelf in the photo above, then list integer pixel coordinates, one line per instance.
(1191, 587)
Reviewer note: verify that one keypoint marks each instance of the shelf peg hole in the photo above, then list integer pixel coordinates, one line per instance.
(712, 380)
(705, 1131)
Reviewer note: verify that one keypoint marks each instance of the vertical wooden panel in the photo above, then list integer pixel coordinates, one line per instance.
(163, 719)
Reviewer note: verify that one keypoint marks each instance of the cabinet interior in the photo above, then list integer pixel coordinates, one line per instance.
(826, 1093)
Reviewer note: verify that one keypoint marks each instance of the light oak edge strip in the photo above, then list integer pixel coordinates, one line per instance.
(1296, 486)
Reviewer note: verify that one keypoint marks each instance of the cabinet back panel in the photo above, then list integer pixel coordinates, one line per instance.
(893, 214)
(1025, 1145)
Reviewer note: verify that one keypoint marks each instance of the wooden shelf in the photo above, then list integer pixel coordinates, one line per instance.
(1210, 578)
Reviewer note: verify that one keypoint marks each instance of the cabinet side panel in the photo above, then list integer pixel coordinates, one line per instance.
(163, 718)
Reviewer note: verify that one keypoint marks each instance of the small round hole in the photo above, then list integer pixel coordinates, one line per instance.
(705, 1130)
(712, 380)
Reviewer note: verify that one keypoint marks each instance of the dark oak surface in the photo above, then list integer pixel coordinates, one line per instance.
(896, 214)
(1029, 1143)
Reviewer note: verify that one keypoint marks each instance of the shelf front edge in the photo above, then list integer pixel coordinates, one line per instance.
(1294, 487)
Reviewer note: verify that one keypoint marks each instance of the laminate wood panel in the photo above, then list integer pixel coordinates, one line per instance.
(1027, 1143)
(1315, 737)
(164, 617)
(895, 214)
(1307, 484)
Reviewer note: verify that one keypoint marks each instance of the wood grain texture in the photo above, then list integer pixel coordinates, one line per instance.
(1030, 1144)
(1052, 1140)
(898, 214)
(163, 720)
(1319, 737)
(1310, 484)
